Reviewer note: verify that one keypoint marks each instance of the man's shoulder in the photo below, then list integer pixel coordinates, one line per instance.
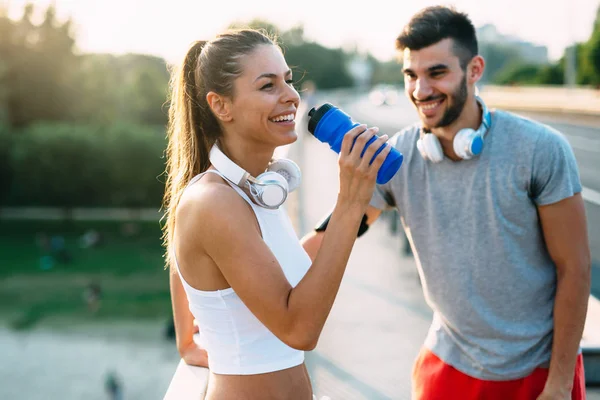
(406, 137)
(523, 127)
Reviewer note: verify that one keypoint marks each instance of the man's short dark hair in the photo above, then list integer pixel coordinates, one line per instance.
(434, 24)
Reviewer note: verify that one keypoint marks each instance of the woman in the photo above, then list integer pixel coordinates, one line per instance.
(259, 300)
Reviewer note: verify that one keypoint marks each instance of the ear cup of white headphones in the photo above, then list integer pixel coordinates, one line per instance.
(467, 143)
(430, 148)
(270, 189)
(289, 170)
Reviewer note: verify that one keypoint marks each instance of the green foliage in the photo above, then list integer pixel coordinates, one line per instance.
(589, 59)
(43, 79)
(519, 74)
(65, 165)
(325, 67)
(130, 88)
(553, 74)
(388, 72)
(38, 61)
(587, 56)
(6, 173)
(498, 59)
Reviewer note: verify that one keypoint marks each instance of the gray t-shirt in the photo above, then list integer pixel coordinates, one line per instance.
(476, 236)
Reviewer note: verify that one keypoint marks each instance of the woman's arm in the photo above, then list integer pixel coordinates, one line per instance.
(229, 235)
(185, 329)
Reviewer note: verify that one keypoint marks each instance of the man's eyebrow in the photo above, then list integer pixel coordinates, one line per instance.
(272, 75)
(433, 68)
(437, 67)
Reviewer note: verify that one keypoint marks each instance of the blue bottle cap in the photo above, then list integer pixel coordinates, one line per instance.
(316, 115)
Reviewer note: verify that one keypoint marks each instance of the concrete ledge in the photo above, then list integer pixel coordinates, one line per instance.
(80, 214)
(188, 383)
(590, 343)
(546, 99)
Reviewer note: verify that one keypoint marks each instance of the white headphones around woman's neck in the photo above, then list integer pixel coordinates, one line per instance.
(467, 143)
(269, 189)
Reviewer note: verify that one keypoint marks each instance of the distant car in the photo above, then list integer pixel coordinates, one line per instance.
(384, 95)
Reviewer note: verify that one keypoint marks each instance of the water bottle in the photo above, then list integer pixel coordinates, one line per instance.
(329, 124)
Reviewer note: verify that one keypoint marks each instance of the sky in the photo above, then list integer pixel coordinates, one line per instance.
(166, 28)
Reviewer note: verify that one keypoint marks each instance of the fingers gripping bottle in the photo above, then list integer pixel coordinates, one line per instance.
(329, 124)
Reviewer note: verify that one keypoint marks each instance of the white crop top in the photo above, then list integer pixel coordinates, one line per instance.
(236, 341)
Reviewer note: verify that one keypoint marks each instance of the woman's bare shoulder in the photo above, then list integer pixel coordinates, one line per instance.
(210, 204)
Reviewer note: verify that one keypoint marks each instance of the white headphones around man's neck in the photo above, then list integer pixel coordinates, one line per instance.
(269, 189)
(467, 143)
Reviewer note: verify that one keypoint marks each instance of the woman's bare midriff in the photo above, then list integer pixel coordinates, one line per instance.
(288, 384)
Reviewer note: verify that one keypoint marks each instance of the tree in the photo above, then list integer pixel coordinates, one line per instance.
(6, 29)
(386, 72)
(146, 84)
(131, 87)
(590, 56)
(37, 65)
(498, 58)
(324, 66)
(519, 74)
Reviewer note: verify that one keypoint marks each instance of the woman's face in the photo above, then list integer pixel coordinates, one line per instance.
(264, 103)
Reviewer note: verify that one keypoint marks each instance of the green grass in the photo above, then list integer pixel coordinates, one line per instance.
(129, 269)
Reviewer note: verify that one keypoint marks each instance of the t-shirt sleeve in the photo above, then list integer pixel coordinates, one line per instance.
(555, 175)
(382, 198)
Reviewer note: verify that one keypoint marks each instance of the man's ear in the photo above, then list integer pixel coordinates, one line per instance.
(220, 106)
(475, 69)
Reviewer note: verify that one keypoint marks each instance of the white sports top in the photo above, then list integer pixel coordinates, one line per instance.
(236, 341)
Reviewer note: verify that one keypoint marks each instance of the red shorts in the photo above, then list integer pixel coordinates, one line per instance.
(435, 380)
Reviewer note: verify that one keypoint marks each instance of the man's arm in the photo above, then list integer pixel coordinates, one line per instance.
(565, 233)
(312, 240)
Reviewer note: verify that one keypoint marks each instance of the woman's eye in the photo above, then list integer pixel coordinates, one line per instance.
(267, 86)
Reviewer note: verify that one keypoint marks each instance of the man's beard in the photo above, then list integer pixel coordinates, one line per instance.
(457, 101)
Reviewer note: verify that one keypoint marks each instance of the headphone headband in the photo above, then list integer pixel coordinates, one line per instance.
(228, 168)
(269, 189)
(486, 116)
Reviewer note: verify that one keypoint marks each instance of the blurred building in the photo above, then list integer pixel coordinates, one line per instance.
(361, 71)
(529, 52)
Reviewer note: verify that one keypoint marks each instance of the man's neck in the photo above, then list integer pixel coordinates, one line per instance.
(471, 117)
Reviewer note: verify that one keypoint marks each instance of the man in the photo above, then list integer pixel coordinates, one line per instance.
(497, 225)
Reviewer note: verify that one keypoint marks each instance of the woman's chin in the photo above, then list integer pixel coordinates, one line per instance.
(288, 138)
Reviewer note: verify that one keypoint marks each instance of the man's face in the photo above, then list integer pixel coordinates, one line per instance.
(436, 84)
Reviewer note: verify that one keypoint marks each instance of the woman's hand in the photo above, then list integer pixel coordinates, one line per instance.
(357, 174)
(192, 353)
(195, 355)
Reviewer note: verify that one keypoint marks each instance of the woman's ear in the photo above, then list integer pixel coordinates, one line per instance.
(220, 106)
